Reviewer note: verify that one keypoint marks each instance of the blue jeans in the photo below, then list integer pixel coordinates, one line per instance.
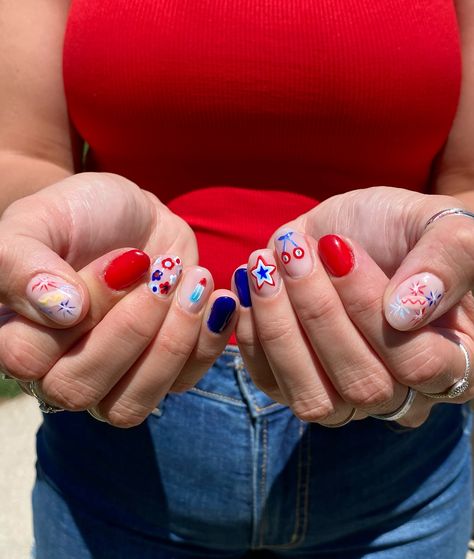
(222, 471)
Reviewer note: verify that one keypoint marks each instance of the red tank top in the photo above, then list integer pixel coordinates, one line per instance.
(239, 114)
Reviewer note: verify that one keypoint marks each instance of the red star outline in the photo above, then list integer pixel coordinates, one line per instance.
(265, 281)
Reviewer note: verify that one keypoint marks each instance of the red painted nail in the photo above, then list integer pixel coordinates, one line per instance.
(336, 255)
(126, 269)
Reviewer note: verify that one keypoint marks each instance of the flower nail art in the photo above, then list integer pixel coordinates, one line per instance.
(55, 298)
(414, 300)
(164, 275)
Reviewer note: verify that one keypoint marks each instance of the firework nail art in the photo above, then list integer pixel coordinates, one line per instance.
(194, 289)
(294, 252)
(165, 273)
(58, 300)
(414, 300)
(264, 274)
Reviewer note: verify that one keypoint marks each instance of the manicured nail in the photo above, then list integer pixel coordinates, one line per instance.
(241, 281)
(264, 274)
(336, 255)
(414, 300)
(126, 269)
(57, 299)
(221, 314)
(194, 289)
(165, 273)
(294, 252)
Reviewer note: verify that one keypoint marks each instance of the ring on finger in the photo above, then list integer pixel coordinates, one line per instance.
(32, 387)
(459, 386)
(399, 412)
(348, 419)
(94, 413)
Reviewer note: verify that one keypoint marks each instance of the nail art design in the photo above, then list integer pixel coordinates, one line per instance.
(263, 273)
(58, 300)
(241, 281)
(221, 314)
(294, 253)
(162, 281)
(194, 288)
(415, 299)
(126, 269)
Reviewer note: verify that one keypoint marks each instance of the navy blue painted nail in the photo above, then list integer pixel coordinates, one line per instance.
(241, 281)
(221, 314)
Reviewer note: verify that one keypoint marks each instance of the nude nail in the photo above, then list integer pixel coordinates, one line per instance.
(294, 253)
(194, 289)
(164, 276)
(263, 273)
(414, 300)
(57, 299)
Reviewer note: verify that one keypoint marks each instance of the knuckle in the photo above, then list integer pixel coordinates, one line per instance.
(276, 331)
(70, 394)
(179, 347)
(368, 392)
(126, 416)
(134, 328)
(367, 307)
(23, 360)
(420, 368)
(313, 410)
(320, 312)
(181, 386)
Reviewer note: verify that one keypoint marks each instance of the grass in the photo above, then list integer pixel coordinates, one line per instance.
(9, 389)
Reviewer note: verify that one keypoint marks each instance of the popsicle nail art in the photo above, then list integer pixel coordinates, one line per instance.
(165, 273)
(57, 299)
(195, 286)
(414, 300)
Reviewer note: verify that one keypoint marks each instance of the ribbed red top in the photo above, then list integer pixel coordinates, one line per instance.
(240, 113)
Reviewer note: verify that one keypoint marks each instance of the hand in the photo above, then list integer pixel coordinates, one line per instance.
(128, 343)
(320, 341)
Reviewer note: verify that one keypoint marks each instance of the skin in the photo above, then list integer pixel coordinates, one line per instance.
(40, 232)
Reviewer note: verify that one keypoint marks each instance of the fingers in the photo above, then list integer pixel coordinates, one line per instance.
(427, 360)
(28, 351)
(299, 375)
(435, 274)
(184, 347)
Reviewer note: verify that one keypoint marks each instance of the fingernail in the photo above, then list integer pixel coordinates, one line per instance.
(221, 314)
(264, 274)
(241, 281)
(55, 298)
(414, 300)
(194, 289)
(126, 269)
(294, 252)
(165, 273)
(336, 255)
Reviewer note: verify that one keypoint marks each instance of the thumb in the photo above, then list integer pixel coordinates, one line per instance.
(38, 284)
(434, 275)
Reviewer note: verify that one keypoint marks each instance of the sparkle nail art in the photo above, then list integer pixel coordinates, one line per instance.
(294, 252)
(165, 273)
(58, 300)
(194, 288)
(264, 274)
(414, 300)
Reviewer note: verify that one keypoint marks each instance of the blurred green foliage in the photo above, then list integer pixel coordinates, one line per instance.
(9, 389)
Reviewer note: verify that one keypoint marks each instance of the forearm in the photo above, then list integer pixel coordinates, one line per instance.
(22, 175)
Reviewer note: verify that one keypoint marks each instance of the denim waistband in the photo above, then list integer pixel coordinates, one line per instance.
(228, 381)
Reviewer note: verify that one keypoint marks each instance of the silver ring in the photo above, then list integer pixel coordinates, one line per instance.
(450, 211)
(459, 386)
(348, 419)
(43, 406)
(92, 412)
(399, 412)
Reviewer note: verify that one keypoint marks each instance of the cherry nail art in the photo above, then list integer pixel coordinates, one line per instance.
(336, 255)
(126, 269)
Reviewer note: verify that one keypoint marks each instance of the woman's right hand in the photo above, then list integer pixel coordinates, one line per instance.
(96, 338)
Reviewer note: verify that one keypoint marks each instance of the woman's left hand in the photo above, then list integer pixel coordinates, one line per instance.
(379, 305)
